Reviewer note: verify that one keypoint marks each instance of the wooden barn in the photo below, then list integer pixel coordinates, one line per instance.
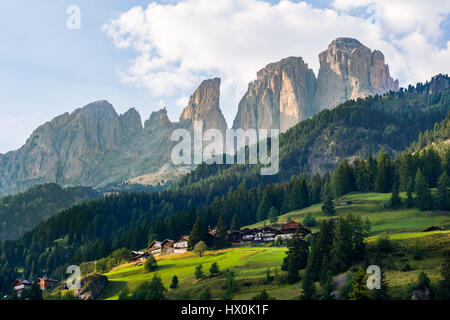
(155, 247)
(181, 244)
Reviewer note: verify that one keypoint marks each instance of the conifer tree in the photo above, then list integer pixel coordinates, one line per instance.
(382, 293)
(359, 284)
(443, 192)
(235, 223)
(424, 199)
(174, 283)
(35, 291)
(263, 208)
(395, 201)
(409, 194)
(221, 234)
(308, 286)
(196, 234)
(273, 215)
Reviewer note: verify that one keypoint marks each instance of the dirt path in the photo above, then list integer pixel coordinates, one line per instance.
(338, 282)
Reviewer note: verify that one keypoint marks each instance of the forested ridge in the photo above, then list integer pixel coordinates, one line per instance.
(240, 195)
(22, 212)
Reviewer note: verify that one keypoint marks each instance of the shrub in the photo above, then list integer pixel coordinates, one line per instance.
(263, 295)
(150, 264)
(309, 220)
(214, 270)
(198, 272)
(174, 283)
(200, 247)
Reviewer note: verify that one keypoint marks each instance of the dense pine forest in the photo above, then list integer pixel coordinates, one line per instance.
(373, 131)
(22, 212)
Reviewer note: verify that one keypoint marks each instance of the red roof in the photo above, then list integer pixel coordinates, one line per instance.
(290, 225)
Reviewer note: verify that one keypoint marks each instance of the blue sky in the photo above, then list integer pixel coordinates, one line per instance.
(47, 69)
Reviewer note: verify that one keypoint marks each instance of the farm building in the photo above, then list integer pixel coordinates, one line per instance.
(138, 256)
(155, 247)
(181, 244)
(20, 285)
(44, 283)
(167, 246)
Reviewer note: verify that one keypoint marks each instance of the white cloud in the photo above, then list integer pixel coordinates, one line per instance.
(178, 45)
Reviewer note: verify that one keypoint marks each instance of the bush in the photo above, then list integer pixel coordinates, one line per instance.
(384, 244)
(206, 295)
(263, 295)
(406, 267)
(418, 254)
(214, 270)
(174, 283)
(198, 272)
(150, 264)
(309, 220)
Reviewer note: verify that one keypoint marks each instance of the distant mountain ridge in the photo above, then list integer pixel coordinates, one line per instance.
(94, 146)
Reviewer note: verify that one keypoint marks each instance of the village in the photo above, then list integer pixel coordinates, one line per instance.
(246, 236)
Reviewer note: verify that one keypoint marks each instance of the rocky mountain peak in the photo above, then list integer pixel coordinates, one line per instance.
(131, 122)
(204, 106)
(158, 119)
(350, 70)
(281, 96)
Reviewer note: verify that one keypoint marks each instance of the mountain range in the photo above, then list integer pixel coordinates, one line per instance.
(94, 146)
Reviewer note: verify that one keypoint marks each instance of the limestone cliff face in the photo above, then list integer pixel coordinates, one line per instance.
(204, 106)
(349, 70)
(280, 97)
(288, 92)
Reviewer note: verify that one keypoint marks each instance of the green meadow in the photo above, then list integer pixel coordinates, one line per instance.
(373, 206)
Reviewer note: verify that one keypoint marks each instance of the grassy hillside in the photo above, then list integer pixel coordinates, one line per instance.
(373, 206)
(250, 263)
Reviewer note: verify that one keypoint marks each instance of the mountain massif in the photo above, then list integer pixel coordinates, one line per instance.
(94, 146)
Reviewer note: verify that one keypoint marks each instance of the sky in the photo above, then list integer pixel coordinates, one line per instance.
(153, 54)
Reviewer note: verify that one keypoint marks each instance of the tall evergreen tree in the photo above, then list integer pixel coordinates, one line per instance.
(328, 204)
(235, 223)
(342, 179)
(409, 193)
(273, 215)
(395, 201)
(263, 208)
(298, 251)
(443, 192)
(221, 234)
(383, 292)
(196, 234)
(424, 199)
(385, 172)
(359, 284)
(308, 286)
(35, 291)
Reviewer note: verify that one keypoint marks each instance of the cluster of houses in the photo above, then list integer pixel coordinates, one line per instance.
(254, 236)
(179, 245)
(20, 284)
(266, 234)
